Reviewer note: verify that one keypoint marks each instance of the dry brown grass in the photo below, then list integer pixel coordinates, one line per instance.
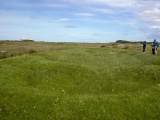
(13, 48)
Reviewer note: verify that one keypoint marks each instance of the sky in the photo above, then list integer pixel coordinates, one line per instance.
(93, 21)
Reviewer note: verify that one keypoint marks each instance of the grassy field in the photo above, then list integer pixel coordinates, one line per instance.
(73, 81)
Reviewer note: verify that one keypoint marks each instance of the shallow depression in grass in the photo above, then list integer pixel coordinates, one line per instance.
(83, 82)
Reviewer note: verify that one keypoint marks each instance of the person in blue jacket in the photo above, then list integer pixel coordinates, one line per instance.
(156, 45)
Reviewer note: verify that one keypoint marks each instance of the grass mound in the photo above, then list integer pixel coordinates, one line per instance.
(80, 83)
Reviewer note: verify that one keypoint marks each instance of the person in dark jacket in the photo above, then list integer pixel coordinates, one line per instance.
(144, 46)
(153, 48)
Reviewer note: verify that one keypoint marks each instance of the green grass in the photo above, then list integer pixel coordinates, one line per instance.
(81, 83)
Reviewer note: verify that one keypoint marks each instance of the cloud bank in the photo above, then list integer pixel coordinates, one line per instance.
(93, 20)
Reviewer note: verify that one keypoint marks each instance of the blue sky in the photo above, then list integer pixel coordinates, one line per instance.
(97, 21)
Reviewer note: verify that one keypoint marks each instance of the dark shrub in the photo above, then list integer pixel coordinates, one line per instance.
(32, 51)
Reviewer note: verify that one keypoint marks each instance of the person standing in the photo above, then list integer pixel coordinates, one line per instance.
(144, 46)
(155, 44)
(153, 48)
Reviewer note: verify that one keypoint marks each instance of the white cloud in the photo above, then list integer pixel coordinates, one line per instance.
(85, 14)
(154, 27)
(157, 20)
(145, 4)
(152, 16)
(102, 10)
(52, 5)
(117, 3)
(154, 11)
(149, 17)
(64, 19)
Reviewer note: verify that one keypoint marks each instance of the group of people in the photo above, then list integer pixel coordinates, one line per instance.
(154, 46)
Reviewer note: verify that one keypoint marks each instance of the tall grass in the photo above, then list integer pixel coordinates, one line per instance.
(83, 82)
(15, 48)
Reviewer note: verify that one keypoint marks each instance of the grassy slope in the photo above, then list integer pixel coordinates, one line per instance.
(80, 83)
